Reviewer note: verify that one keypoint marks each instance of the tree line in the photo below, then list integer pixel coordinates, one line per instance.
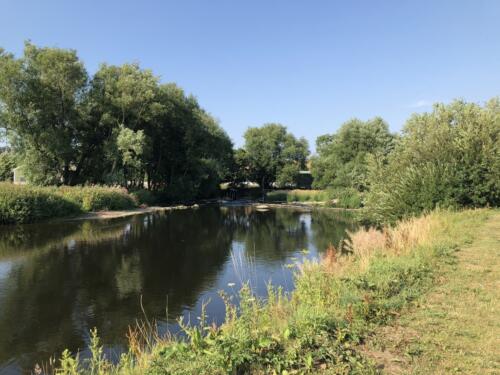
(449, 157)
(123, 126)
(120, 126)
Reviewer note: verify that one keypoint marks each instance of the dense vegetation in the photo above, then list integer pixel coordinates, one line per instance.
(336, 304)
(449, 158)
(120, 126)
(123, 127)
(341, 160)
(26, 204)
(342, 198)
(271, 155)
(7, 164)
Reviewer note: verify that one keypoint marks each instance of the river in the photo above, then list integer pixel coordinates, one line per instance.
(59, 280)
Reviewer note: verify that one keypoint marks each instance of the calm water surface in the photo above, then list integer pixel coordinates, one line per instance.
(59, 280)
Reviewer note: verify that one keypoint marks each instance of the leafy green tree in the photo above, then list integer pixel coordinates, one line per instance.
(41, 95)
(448, 157)
(132, 147)
(120, 126)
(274, 155)
(123, 100)
(341, 158)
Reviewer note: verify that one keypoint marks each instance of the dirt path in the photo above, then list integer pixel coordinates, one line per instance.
(455, 328)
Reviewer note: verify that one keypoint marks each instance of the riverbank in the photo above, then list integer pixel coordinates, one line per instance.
(456, 327)
(338, 198)
(302, 206)
(125, 213)
(337, 305)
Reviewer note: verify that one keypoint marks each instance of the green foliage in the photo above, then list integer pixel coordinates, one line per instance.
(120, 126)
(68, 365)
(97, 198)
(131, 145)
(7, 164)
(26, 204)
(308, 196)
(23, 204)
(146, 197)
(316, 329)
(271, 154)
(341, 159)
(42, 107)
(277, 196)
(297, 196)
(449, 157)
(339, 197)
(346, 197)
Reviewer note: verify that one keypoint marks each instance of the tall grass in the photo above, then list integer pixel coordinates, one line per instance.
(97, 198)
(26, 204)
(337, 302)
(297, 196)
(307, 196)
(344, 198)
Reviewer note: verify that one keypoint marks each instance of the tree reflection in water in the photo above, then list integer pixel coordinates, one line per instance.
(58, 280)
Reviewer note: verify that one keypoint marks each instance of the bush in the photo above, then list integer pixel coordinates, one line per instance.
(297, 196)
(98, 198)
(26, 204)
(7, 164)
(23, 204)
(449, 157)
(276, 196)
(307, 196)
(346, 197)
(146, 197)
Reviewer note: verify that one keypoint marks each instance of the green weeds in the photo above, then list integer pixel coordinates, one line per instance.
(26, 204)
(343, 198)
(318, 328)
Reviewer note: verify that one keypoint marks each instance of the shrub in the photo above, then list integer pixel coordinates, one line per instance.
(24, 204)
(98, 198)
(448, 157)
(308, 196)
(297, 196)
(346, 197)
(7, 164)
(277, 196)
(146, 197)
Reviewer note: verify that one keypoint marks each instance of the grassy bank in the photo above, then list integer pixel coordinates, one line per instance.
(26, 204)
(456, 327)
(344, 198)
(338, 302)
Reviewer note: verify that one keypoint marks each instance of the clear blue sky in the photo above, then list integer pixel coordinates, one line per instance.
(310, 65)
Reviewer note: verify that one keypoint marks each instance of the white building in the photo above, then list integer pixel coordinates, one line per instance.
(19, 176)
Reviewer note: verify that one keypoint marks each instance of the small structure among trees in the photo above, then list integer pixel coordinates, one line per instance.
(18, 176)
